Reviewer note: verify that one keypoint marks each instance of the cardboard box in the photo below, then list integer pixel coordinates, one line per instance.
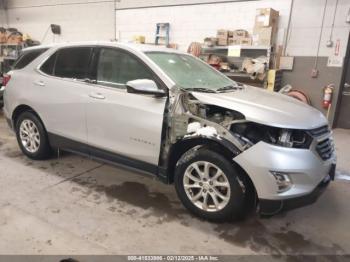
(139, 39)
(240, 33)
(233, 41)
(222, 33)
(240, 41)
(266, 17)
(245, 41)
(14, 39)
(3, 38)
(222, 41)
(264, 36)
(210, 41)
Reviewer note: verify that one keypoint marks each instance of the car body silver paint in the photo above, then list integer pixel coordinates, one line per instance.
(305, 167)
(268, 108)
(256, 105)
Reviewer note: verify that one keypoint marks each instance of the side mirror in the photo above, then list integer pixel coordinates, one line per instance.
(144, 86)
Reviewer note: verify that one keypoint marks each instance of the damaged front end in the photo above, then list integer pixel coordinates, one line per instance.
(190, 122)
(187, 119)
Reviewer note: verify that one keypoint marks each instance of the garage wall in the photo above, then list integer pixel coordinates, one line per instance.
(79, 19)
(192, 22)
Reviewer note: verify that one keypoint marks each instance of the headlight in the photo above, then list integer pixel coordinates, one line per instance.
(277, 136)
(294, 138)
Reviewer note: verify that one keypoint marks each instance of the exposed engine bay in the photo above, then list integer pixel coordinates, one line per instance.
(187, 117)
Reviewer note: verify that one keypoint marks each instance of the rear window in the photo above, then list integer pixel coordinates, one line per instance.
(72, 62)
(27, 57)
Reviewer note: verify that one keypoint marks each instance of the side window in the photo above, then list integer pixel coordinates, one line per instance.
(49, 65)
(115, 68)
(27, 57)
(72, 62)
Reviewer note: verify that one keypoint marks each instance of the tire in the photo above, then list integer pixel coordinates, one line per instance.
(30, 131)
(232, 207)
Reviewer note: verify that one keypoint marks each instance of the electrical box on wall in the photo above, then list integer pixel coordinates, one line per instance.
(314, 73)
(286, 62)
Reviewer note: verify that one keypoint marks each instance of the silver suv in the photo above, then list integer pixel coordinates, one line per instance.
(227, 147)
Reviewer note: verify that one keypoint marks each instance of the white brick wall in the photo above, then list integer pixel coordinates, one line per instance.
(2, 18)
(88, 20)
(306, 27)
(194, 23)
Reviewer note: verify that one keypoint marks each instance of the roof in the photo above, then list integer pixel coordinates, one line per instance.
(128, 46)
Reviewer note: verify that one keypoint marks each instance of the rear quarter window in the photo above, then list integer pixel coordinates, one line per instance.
(27, 57)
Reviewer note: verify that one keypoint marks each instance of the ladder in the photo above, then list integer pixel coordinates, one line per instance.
(162, 32)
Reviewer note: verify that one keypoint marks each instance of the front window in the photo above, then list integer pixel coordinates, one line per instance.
(115, 68)
(190, 73)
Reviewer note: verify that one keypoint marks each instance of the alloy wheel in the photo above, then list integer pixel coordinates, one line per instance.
(29, 135)
(207, 186)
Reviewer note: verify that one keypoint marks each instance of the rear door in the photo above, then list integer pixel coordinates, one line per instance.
(126, 127)
(64, 94)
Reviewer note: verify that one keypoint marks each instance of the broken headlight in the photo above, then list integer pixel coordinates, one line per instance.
(294, 138)
(277, 136)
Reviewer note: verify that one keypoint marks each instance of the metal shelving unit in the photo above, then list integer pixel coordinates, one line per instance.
(236, 61)
(8, 54)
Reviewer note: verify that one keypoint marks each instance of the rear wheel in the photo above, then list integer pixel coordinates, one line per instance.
(32, 136)
(210, 186)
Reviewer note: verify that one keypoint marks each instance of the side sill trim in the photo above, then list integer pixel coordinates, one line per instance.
(102, 155)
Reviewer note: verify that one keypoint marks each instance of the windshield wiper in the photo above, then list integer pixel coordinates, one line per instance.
(230, 87)
(201, 89)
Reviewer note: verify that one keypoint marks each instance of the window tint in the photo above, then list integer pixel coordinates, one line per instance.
(27, 57)
(72, 62)
(116, 68)
(49, 64)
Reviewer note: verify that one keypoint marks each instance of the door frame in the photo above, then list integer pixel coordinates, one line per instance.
(342, 82)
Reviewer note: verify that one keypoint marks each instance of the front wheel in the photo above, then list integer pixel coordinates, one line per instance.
(210, 186)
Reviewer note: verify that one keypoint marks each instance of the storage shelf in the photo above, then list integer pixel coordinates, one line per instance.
(243, 47)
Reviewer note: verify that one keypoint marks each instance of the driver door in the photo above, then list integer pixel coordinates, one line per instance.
(123, 127)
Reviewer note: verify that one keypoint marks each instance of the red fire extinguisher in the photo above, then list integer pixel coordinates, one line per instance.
(327, 96)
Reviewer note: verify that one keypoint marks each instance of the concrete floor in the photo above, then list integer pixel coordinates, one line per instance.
(73, 205)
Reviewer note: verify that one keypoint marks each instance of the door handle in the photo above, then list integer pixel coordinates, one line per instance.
(346, 93)
(97, 96)
(39, 83)
(346, 85)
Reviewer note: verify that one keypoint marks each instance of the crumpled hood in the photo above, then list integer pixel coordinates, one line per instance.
(266, 107)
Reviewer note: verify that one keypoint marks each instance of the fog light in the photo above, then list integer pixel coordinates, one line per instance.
(283, 181)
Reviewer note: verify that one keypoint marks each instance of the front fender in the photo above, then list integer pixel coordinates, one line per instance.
(216, 143)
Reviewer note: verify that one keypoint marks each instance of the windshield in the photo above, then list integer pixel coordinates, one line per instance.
(190, 73)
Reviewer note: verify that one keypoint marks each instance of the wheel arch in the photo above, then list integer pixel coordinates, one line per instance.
(21, 109)
(220, 146)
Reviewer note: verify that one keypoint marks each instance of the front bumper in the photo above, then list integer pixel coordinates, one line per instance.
(271, 207)
(305, 168)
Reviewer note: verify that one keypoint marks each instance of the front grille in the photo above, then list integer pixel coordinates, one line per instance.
(323, 130)
(324, 147)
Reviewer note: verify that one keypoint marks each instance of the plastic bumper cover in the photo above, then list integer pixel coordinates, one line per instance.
(304, 167)
(271, 207)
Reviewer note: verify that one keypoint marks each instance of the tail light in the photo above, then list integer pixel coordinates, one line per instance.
(5, 79)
